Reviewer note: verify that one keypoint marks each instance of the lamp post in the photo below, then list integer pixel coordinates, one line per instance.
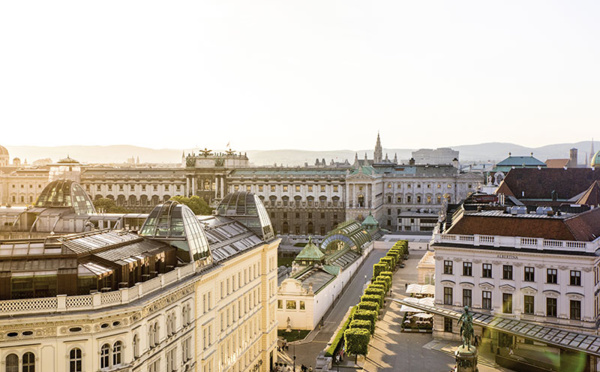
(295, 355)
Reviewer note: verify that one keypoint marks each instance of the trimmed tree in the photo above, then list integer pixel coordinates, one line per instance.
(378, 269)
(373, 298)
(369, 305)
(375, 291)
(331, 350)
(357, 341)
(369, 315)
(388, 261)
(383, 282)
(359, 323)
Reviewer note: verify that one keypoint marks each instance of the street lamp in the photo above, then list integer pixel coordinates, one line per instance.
(295, 353)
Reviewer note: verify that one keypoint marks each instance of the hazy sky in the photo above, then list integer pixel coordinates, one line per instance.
(315, 75)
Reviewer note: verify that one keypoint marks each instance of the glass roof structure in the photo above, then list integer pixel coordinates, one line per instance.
(177, 224)
(351, 234)
(66, 194)
(228, 237)
(582, 342)
(247, 208)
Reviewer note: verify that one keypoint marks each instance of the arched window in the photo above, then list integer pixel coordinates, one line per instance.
(12, 363)
(169, 327)
(150, 335)
(184, 316)
(189, 313)
(116, 357)
(75, 360)
(105, 356)
(136, 346)
(156, 335)
(28, 362)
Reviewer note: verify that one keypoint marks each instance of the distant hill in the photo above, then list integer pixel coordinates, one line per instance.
(493, 152)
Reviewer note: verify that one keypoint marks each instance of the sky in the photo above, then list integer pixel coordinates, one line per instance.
(311, 74)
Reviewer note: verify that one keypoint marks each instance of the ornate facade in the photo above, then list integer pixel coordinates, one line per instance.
(176, 298)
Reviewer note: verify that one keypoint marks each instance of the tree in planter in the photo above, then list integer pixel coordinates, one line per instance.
(378, 269)
(357, 341)
(359, 323)
(394, 259)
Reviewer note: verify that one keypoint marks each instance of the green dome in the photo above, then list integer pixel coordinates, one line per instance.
(596, 160)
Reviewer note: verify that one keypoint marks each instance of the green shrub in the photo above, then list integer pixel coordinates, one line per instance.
(375, 291)
(357, 341)
(359, 323)
(377, 269)
(369, 305)
(369, 315)
(379, 285)
(331, 350)
(383, 282)
(388, 261)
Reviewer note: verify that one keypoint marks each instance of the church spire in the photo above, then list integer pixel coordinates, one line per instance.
(378, 155)
(592, 152)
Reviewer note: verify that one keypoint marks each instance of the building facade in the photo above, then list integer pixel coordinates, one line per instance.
(183, 295)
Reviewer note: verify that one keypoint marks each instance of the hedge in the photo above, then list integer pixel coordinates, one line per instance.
(377, 269)
(387, 280)
(373, 298)
(357, 341)
(369, 315)
(368, 305)
(338, 337)
(365, 324)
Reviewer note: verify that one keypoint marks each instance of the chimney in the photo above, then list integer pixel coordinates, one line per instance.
(573, 158)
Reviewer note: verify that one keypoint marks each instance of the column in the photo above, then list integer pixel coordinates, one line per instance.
(187, 186)
(193, 186)
(216, 187)
(222, 186)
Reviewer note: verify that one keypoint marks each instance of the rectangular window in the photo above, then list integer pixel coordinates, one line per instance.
(507, 303)
(467, 297)
(322, 188)
(335, 188)
(575, 308)
(486, 270)
(310, 188)
(467, 268)
(575, 277)
(447, 324)
(447, 267)
(302, 305)
(529, 274)
(528, 302)
(280, 304)
(447, 295)
(285, 188)
(260, 188)
(272, 188)
(487, 300)
(297, 188)
(290, 305)
(552, 276)
(551, 306)
(507, 272)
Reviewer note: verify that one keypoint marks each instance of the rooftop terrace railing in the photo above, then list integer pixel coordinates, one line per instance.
(518, 242)
(99, 300)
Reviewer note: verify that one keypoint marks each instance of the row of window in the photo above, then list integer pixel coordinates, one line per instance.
(39, 186)
(528, 303)
(309, 215)
(507, 272)
(133, 187)
(232, 284)
(418, 185)
(286, 188)
(237, 309)
(418, 199)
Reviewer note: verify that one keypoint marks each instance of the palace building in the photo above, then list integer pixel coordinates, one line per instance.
(187, 293)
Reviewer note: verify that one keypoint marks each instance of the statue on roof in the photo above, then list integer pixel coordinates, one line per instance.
(206, 152)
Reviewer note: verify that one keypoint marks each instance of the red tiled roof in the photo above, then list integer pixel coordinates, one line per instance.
(539, 183)
(581, 227)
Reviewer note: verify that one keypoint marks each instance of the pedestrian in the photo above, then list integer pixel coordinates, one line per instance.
(405, 286)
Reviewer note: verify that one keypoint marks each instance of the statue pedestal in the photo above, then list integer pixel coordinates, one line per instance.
(466, 359)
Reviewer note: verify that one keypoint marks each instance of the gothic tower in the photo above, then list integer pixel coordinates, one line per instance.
(378, 156)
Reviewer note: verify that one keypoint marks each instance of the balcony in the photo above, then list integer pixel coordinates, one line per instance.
(518, 242)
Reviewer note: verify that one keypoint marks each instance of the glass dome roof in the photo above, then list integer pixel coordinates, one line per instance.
(247, 208)
(177, 224)
(66, 194)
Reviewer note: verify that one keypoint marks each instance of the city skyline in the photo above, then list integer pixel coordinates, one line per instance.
(305, 76)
